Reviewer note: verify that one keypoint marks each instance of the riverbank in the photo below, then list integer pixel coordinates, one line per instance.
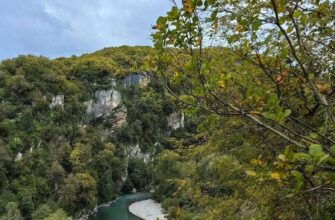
(117, 209)
(85, 214)
(147, 209)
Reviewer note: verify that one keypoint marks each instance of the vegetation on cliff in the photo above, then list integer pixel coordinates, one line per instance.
(53, 158)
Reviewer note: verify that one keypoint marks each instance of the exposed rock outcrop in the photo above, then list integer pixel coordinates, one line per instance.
(141, 78)
(18, 156)
(120, 117)
(57, 100)
(176, 120)
(103, 103)
(136, 152)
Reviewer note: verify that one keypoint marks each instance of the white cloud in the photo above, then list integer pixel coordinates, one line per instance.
(65, 27)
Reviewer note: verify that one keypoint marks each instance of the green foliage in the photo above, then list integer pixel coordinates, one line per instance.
(13, 212)
(78, 192)
(42, 212)
(128, 186)
(263, 100)
(139, 174)
(79, 156)
(57, 215)
(5, 198)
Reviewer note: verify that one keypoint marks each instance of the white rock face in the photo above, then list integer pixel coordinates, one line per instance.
(18, 157)
(125, 173)
(176, 120)
(141, 78)
(135, 151)
(103, 104)
(144, 81)
(147, 210)
(57, 100)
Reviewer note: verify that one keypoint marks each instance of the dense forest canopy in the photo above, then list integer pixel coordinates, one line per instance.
(235, 118)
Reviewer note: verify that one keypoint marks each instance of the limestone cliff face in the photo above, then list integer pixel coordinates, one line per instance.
(103, 103)
(57, 100)
(136, 152)
(176, 120)
(18, 157)
(141, 78)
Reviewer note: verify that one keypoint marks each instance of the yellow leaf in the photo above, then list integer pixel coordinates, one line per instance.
(323, 87)
(258, 82)
(281, 157)
(254, 162)
(275, 175)
(178, 212)
(188, 6)
(239, 28)
(251, 173)
(221, 84)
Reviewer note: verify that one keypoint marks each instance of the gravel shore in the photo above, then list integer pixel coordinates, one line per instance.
(147, 210)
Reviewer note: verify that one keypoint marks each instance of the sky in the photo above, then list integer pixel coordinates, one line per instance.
(56, 28)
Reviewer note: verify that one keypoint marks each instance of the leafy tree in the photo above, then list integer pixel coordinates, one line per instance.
(56, 174)
(139, 173)
(26, 203)
(127, 186)
(58, 215)
(106, 187)
(13, 212)
(109, 172)
(80, 156)
(5, 198)
(79, 191)
(42, 212)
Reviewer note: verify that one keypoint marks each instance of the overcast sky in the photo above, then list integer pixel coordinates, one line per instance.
(55, 28)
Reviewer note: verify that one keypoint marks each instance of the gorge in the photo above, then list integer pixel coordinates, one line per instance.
(229, 115)
(101, 129)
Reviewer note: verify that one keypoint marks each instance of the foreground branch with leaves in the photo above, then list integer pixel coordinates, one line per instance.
(264, 69)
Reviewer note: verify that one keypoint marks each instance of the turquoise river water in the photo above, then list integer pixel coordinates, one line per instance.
(118, 210)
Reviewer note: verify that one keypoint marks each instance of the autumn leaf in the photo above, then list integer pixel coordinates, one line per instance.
(251, 173)
(276, 176)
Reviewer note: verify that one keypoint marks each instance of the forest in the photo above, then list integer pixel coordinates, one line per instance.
(235, 121)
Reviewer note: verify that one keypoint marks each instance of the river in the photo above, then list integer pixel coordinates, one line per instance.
(118, 210)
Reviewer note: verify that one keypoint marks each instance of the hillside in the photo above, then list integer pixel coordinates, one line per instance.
(77, 132)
